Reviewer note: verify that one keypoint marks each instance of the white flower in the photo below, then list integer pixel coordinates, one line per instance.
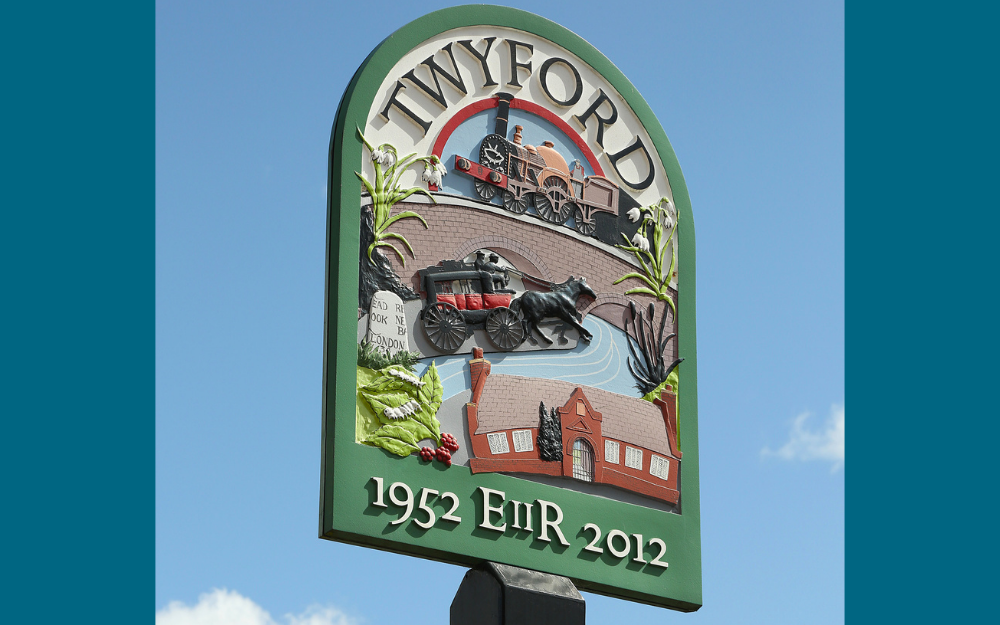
(441, 169)
(633, 215)
(670, 213)
(384, 157)
(640, 242)
(431, 175)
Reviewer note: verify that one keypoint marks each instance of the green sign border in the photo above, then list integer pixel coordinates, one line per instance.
(347, 468)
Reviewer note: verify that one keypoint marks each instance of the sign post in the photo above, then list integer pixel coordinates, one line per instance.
(510, 368)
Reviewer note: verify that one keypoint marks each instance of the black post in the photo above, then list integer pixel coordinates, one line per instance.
(498, 594)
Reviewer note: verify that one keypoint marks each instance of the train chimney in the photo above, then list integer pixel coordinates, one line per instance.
(503, 111)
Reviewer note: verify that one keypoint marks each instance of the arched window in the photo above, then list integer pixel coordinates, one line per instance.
(583, 460)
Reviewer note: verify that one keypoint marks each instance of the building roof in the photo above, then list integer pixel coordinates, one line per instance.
(510, 402)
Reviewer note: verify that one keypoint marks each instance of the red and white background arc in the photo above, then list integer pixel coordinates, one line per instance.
(512, 76)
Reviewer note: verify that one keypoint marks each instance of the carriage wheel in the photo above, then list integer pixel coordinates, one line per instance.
(585, 228)
(444, 326)
(485, 190)
(516, 205)
(505, 329)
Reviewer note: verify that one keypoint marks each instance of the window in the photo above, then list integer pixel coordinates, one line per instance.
(611, 452)
(522, 440)
(498, 442)
(659, 467)
(583, 460)
(633, 458)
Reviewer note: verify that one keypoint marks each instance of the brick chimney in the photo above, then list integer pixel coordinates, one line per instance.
(668, 406)
(480, 369)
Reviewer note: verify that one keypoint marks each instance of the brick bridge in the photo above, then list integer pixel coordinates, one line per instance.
(554, 253)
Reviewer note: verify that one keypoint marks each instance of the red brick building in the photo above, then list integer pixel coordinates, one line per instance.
(607, 438)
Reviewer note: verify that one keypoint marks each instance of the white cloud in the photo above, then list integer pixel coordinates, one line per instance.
(806, 444)
(228, 607)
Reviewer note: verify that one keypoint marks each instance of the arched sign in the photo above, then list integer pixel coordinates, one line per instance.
(510, 365)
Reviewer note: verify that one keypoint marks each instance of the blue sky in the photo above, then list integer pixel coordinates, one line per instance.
(751, 96)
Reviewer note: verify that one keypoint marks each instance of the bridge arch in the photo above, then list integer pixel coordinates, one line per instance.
(520, 255)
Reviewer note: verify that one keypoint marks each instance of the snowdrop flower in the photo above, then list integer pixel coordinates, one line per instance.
(670, 215)
(440, 168)
(384, 155)
(640, 242)
(431, 175)
(633, 215)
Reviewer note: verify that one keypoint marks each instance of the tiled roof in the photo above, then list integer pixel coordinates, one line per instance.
(511, 402)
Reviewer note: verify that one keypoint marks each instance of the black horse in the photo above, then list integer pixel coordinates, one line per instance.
(560, 302)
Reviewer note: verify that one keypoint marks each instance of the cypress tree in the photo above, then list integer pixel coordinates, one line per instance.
(550, 446)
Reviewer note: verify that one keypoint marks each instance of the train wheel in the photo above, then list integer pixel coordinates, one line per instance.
(556, 209)
(543, 205)
(444, 326)
(585, 228)
(485, 190)
(505, 329)
(516, 205)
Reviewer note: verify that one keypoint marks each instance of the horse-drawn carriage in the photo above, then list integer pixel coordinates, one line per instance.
(462, 297)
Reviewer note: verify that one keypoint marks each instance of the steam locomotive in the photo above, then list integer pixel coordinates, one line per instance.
(538, 176)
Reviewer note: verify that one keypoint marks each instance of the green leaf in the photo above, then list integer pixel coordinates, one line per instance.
(402, 215)
(392, 445)
(643, 290)
(429, 396)
(410, 192)
(385, 383)
(638, 276)
(394, 430)
(393, 235)
(379, 402)
(401, 165)
(365, 420)
(362, 135)
(368, 186)
(371, 248)
(407, 430)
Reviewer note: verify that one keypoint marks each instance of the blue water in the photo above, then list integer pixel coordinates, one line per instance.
(600, 364)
